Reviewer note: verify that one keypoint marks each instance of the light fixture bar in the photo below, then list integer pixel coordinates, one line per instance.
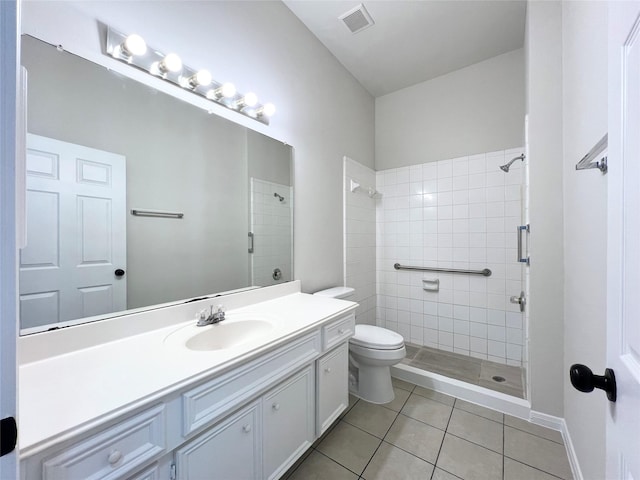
(169, 67)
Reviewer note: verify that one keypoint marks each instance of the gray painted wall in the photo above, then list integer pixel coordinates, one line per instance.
(544, 107)
(477, 109)
(322, 111)
(584, 32)
(269, 160)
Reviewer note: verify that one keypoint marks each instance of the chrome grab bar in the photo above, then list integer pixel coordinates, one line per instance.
(486, 272)
(520, 229)
(155, 213)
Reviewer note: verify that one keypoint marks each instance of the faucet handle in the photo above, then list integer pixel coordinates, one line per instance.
(201, 316)
(218, 316)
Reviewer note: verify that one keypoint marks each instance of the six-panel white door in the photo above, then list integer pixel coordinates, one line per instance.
(623, 262)
(76, 233)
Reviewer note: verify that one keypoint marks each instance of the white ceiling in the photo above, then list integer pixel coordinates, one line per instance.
(414, 41)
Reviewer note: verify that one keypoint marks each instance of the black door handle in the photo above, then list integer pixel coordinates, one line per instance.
(119, 272)
(583, 379)
(8, 435)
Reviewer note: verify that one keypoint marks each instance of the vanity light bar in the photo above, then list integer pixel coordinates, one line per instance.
(133, 50)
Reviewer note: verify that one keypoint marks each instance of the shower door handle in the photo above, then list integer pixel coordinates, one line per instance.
(250, 235)
(520, 230)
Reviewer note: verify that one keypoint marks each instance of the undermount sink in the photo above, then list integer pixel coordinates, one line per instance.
(236, 330)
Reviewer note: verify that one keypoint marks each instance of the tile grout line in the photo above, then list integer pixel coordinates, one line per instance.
(336, 462)
(324, 436)
(535, 468)
(535, 434)
(386, 433)
(474, 443)
(443, 437)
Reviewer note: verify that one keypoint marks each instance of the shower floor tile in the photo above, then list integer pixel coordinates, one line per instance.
(432, 437)
(467, 369)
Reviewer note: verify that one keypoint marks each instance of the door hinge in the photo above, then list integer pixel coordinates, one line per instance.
(8, 435)
(172, 473)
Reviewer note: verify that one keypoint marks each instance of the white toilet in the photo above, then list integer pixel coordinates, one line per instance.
(372, 350)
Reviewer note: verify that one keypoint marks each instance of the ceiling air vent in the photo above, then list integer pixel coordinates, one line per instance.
(357, 19)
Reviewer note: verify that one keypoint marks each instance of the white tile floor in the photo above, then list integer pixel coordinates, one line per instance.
(425, 435)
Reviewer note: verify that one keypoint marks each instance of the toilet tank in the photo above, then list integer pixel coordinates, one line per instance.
(344, 293)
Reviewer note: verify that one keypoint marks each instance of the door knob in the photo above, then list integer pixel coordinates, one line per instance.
(9, 436)
(119, 272)
(583, 379)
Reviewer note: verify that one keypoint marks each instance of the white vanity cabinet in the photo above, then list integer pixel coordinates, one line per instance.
(260, 441)
(251, 420)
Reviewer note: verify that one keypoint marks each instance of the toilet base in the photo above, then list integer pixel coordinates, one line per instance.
(372, 384)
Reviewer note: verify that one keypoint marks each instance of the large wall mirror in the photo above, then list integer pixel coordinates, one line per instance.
(136, 198)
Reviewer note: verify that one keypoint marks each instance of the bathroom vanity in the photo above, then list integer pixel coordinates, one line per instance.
(152, 396)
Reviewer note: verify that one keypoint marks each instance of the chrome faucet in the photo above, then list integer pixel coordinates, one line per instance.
(212, 318)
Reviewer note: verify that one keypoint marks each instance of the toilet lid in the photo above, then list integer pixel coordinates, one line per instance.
(376, 337)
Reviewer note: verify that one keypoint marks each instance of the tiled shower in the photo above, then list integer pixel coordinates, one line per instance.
(270, 218)
(360, 238)
(457, 213)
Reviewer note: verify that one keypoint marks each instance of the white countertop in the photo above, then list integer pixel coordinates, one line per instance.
(69, 393)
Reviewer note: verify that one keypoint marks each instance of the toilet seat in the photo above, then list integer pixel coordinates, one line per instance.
(369, 336)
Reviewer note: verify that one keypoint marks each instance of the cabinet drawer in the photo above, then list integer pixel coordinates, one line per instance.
(211, 400)
(338, 331)
(112, 453)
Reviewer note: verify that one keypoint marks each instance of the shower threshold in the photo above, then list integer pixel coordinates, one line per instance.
(495, 376)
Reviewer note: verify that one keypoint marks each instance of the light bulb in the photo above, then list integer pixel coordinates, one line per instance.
(202, 78)
(170, 63)
(226, 90)
(250, 99)
(134, 45)
(268, 110)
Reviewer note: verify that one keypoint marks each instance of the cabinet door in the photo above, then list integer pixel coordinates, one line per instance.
(333, 386)
(230, 450)
(288, 415)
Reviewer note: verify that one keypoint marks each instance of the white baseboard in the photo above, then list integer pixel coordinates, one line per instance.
(557, 423)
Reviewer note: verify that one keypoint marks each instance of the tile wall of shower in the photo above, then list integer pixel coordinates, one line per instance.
(455, 213)
(360, 238)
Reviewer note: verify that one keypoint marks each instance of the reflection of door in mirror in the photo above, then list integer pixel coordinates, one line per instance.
(76, 233)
